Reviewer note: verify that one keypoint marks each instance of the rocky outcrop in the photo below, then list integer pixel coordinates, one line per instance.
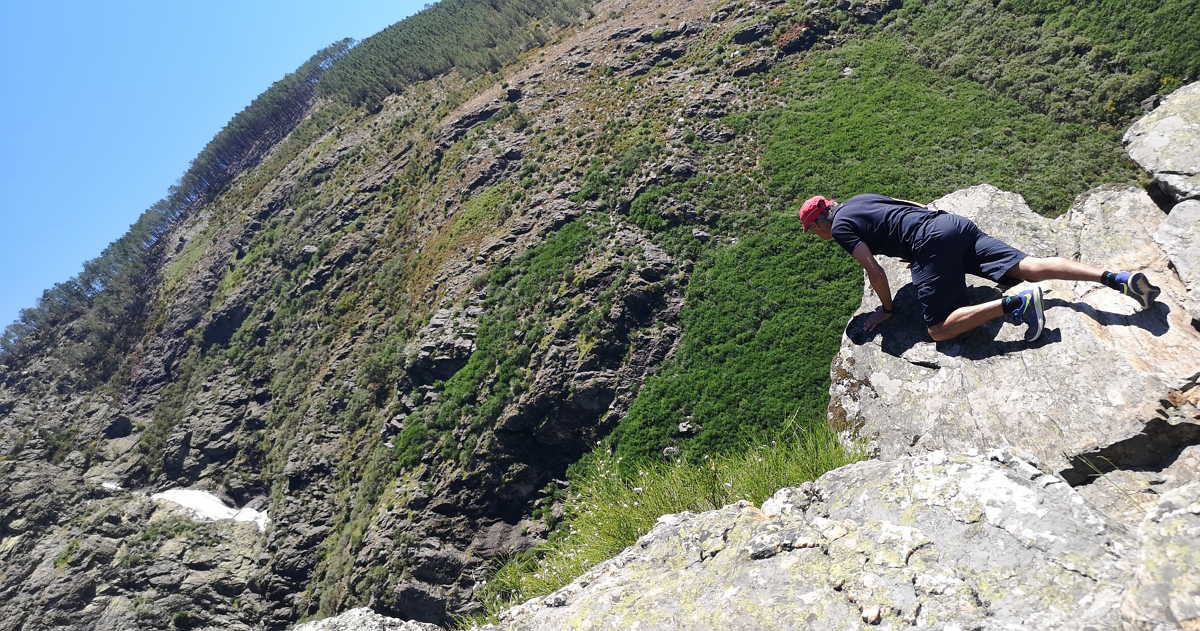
(1107, 398)
(1084, 400)
(126, 561)
(928, 541)
(1165, 591)
(363, 619)
(1166, 143)
(931, 541)
(1179, 237)
(445, 344)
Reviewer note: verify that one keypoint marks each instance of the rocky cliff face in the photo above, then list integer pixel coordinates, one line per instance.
(1050, 485)
(394, 335)
(401, 436)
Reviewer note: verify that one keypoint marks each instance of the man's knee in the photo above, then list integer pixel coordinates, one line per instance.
(939, 333)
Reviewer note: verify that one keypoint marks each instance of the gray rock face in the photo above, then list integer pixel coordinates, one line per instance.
(445, 344)
(1165, 593)
(1179, 237)
(1083, 400)
(1166, 142)
(363, 619)
(935, 541)
(128, 563)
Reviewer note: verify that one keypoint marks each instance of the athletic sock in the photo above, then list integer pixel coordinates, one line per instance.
(1010, 303)
(1113, 280)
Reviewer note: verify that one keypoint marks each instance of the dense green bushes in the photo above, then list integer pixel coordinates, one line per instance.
(763, 318)
(1075, 61)
(897, 128)
(1145, 34)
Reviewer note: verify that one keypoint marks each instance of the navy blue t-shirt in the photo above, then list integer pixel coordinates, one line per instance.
(888, 226)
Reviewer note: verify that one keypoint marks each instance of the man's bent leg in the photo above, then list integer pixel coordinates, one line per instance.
(965, 319)
(1035, 269)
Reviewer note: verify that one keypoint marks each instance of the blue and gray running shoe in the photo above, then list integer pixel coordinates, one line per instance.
(1029, 312)
(1137, 286)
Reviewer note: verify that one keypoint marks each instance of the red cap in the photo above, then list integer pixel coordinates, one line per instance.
(812, 207)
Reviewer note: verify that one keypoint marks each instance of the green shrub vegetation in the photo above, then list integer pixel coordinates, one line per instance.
(762, 320)
(1146, 34)
(907, 131)
(1076, 61)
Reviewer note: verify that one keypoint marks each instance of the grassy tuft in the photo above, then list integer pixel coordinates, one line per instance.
(608, 509)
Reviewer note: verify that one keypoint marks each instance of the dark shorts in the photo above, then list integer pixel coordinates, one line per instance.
(948, 247)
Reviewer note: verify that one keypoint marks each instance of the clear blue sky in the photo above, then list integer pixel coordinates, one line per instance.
(105, 103)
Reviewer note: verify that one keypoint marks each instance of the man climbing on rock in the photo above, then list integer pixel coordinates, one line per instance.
(942, 248)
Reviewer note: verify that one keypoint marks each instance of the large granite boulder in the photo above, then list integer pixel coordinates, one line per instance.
(937, 541)
(1179, 237)
(1107, 388)
(1166, 143)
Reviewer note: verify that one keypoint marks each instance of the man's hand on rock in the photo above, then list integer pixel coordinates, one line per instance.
(877, 318)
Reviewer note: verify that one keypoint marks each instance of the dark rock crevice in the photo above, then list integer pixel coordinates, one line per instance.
(1161, 195)
(1154, 449)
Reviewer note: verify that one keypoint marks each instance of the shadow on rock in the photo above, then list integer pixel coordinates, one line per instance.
(903, 331)
(971, 346)
(906, 329)
(1155, 319)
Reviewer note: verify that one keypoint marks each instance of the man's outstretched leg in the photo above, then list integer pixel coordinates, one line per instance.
(1132, 284)
(1026, 306)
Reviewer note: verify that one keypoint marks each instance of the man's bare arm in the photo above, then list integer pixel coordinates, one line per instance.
(875, 274)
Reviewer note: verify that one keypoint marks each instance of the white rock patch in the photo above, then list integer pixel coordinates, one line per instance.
(206, 506)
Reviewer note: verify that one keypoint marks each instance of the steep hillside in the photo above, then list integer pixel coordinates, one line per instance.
(394, 327)
(1015, 484)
